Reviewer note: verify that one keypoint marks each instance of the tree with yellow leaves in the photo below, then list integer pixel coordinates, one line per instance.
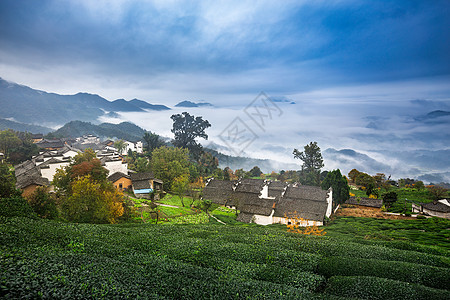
(297, 224)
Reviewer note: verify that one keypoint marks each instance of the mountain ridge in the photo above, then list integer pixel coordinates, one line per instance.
(23, 104)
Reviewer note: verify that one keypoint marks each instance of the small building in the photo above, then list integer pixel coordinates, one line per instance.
(50, 144)
(365, 202)
(267, 202)
(144, 184)
(29, 183)
(219, 191)
(121, 181)
(440, 208)
(37, 137)
(310, 203)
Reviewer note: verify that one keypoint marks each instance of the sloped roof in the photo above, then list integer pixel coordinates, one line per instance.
(309, 202)
(218, 191)
(24, 167)
(27, 180)
(365, 202)
(437, 207)
(142, 176)
(306, 192)
(53, 161)
(141, 184)
(257, 206)
(50, 143)
(307, 209)
(249, 185)
(276, 188)
(116, 176)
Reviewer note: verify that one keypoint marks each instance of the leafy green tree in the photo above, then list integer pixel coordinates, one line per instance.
(338, 183)
(366, 181)
(8, 141)
(120, 145)
(389, 199)
(437, 192)
(23, 151)
(43, 204)
(255, 171)
(7, 182)
(169, 163)
(312, 162)
(92, 202)
(180, 186)
(152, 141)
(186, 129)
(353, 174)
(419, 185)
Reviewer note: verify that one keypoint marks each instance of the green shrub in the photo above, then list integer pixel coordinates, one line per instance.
(43, 204)
(414, 273)
(421, 217)
(366, 287)
(16, 206)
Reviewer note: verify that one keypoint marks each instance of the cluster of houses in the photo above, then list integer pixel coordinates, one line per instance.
(269, 202)
(57, 154)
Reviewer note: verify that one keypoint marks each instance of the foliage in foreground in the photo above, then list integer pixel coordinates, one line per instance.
(41, 258)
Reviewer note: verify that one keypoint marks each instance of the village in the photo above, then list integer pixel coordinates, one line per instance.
(259, 201)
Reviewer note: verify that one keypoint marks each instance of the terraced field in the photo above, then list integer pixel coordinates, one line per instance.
(47, 259)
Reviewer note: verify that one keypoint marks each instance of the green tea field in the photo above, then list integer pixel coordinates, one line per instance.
(48, 259)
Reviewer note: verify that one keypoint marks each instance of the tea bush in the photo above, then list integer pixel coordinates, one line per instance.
(367, 287)
(349, 266)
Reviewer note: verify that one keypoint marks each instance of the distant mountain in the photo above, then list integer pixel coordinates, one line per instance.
(126, 131)
(27, 105)
(8, 124)
(145, 105)
(192, 104)
(436, 116)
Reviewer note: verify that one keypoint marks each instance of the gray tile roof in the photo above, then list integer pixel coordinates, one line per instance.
(116, 176)
(141, 176)
(218, 191)
(437, 207)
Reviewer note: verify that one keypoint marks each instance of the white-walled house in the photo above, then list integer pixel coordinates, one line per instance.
(269, 202)
(440, 208)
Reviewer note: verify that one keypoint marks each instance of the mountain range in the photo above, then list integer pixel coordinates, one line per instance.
(192, 104)
(26, 105)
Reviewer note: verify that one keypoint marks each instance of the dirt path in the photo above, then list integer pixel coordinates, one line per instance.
(166, 205)
(368, 213)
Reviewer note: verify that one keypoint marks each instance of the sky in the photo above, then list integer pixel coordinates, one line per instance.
(348, 65)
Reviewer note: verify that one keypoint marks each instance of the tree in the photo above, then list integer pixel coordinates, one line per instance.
(169, 163)
(366, 181)
(43, 203)
(389, 199)
(255, 172)
(338, 183)
(152, 141)
(437, 192)
(7, 182)
(120, 145)
(85, 193)
(180, 186)
(419, 185)
(353, 174)
(312, 162)
(8, 141)
(92, 202)
(186, 129)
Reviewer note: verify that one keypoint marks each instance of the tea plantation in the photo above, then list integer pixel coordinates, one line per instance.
(49, 259)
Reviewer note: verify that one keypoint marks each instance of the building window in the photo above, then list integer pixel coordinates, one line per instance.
(120, 186)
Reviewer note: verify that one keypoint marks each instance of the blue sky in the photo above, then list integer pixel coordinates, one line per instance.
(166, 51)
